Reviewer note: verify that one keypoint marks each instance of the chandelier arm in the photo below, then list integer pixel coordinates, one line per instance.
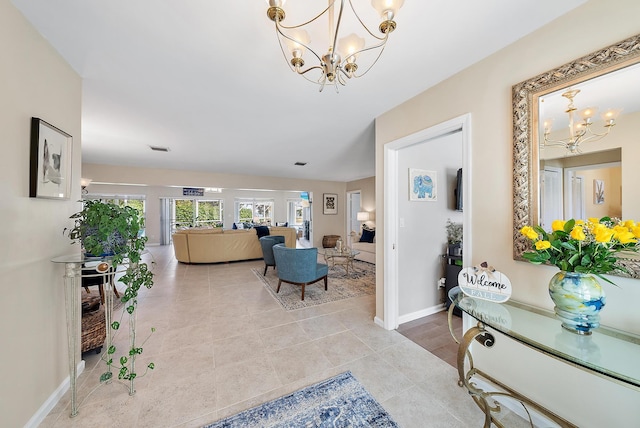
(579, 139)
(293, 27)
(371, 66)
(279, 31)
(363, 24)
(284, 54)
(337, 30)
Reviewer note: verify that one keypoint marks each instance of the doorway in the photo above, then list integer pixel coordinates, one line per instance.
(353, 206)
(401, 221)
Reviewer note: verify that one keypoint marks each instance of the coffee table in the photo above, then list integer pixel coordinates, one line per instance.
(342, 258)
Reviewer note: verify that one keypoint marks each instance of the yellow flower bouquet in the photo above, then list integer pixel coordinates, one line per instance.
(580, 246)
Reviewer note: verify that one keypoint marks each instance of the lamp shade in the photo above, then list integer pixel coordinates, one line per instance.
(362, 216)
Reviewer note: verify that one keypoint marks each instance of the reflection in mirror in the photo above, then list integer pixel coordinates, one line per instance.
(572, 137)
(585, 166)
(582, 186)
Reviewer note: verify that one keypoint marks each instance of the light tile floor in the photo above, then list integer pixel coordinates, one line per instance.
(223, 344)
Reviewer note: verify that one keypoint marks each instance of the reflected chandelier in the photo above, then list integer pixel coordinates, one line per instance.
(580, 132)
(339, 63)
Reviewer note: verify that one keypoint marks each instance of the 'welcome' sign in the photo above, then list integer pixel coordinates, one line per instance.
(484, 282)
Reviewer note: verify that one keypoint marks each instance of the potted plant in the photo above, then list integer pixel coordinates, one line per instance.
(113, 232)
(580, 249)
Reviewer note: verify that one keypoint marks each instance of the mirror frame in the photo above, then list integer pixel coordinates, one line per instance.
(525, 130)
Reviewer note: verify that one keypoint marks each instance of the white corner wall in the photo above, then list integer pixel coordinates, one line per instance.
(34, 82)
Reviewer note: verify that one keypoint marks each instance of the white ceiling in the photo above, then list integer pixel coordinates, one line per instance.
(207, 79)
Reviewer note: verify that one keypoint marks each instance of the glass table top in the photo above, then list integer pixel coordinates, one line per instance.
(332, 252)
(610, 352)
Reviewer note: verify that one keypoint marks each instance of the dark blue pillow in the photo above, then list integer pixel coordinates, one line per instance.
(367, 235)
(262, 231)
(234, 226)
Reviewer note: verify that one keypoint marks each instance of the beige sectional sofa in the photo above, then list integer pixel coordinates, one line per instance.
(367, 249)
(217, 245)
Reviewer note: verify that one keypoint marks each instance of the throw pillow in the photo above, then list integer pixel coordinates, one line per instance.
(235, 226)
(262, 231)
(367, 235)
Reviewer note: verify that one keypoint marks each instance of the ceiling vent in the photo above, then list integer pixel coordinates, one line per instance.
(300, 163)
(159, 149)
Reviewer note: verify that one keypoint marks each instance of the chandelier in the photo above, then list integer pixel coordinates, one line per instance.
(339, 61)
(580, 131)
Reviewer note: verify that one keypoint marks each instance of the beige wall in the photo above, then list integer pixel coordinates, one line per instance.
(34, 81)
(367, 188)
(484, 90)
(159, 178)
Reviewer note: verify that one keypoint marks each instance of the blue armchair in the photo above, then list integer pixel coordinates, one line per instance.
(267, 243)
(299, 266)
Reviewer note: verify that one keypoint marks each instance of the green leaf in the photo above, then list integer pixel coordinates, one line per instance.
(105, 376)
(568, 226)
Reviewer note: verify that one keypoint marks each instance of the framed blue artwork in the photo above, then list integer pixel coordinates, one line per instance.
(423, 185)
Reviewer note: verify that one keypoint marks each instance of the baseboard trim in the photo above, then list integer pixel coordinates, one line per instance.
(378, 322)
(420, 314)
(53, 399)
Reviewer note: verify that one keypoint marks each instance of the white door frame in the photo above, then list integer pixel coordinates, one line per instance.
(391, 218)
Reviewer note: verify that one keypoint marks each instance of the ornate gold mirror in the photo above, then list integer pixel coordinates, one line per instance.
(536, 156)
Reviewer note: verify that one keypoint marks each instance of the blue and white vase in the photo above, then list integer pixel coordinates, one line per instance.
(578, 298)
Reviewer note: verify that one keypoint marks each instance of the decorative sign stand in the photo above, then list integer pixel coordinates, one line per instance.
(484, 282)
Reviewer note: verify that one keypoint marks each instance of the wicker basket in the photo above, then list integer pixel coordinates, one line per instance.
(329, 241)
(94, 331)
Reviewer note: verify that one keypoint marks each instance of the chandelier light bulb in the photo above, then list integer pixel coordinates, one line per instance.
(276, 3)
(349, 45)
(297, 45)
(611, 115)
(588, 113)
(387, 9)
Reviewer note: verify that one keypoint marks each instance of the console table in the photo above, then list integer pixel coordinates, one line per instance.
(608, 353)
(75, 264)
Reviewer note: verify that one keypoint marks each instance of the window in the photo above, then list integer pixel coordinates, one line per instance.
(196, 213)
(295, 212)
(254, 211)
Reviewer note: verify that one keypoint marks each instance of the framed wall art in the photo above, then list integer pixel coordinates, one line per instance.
(329, 203)
(423, 185)
(598, 192)
(50, 163)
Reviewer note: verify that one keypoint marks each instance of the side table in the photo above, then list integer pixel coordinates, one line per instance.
(72, 284)
(343, 258)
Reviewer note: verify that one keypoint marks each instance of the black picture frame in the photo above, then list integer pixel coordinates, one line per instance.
(50, 162)
(329, 203)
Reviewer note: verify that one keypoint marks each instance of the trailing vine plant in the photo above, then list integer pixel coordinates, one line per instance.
(114, 232)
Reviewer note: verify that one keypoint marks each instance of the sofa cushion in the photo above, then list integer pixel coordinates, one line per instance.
(367, 235)
(262, 231)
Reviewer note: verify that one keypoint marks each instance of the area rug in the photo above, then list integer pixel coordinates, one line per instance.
(340, 401)
(360, 281)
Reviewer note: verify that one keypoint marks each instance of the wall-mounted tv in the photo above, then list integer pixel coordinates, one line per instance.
(458, 190)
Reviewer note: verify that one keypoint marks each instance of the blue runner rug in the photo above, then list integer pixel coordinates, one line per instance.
(340, 401)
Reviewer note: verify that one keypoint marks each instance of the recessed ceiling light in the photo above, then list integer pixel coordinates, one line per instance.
(159, 149)
(300, 163)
